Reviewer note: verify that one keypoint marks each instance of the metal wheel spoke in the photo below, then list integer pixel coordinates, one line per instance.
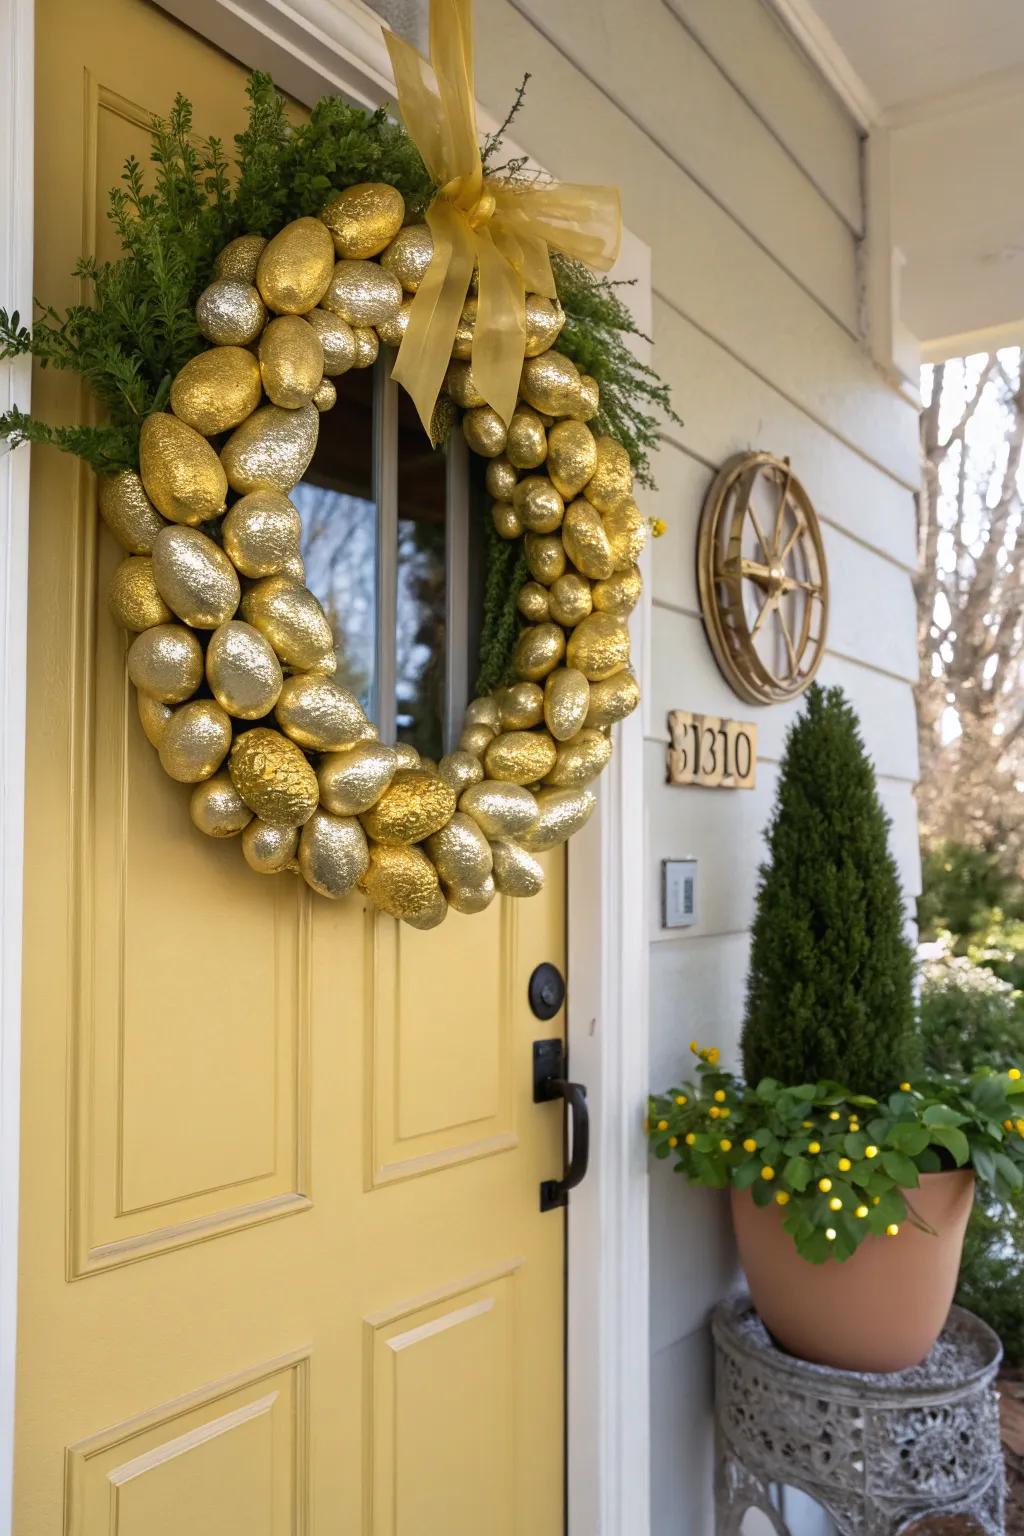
(790, 651)
(766, 608)
(780, 510)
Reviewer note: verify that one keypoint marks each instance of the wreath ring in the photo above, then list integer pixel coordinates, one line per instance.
(233, 657)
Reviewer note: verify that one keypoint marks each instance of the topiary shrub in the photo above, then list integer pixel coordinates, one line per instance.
(830, 992)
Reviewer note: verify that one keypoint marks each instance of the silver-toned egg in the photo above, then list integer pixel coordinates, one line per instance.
(432, 917)
(337, 340)
(333, 854)
(230, 312)
(242, 670)
(261, 533)
(217, 808)
(166, 662)
(566, 702)
(195, 742)
(272, 448)
(460, 852)
(516, 872)
(195, 578)
(500, 477)
(561, 813)
(320, 714)
(363, 293)
(409, 255)
(392, 330)
(460, 770)
(499, 810)
(472, 898)
(367, 346)
(353, 781)
(291, 619)
(269, 849)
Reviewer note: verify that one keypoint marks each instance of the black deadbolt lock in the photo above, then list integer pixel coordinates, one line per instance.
(547, 991)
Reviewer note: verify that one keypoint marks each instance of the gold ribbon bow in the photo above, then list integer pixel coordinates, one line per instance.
(503, 229)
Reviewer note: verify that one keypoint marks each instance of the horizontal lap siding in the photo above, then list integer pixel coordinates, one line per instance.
(742, 173)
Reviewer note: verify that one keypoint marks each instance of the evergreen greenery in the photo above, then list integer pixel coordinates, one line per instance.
(830, 992)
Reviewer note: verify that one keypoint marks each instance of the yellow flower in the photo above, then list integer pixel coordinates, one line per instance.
(662, 1125)
(845, 1165)
(714, 1111)
(854, 1125)
(833, 1114)
(690, 1138)
(715, 1053)
(808, 1125)
(673, 1141)
(1020, 1127)
(824, 1185)
(892, 1230)
(750, 1145)
(1014, 1074)
(876, 1199)
(767, 1173)
(861, 1212)
(781, 1197)
(725, 1144)
(725, 1113)
(830, 1233)
(1007, 1125)
(719, 1095)
(870, 1151)
(682, 1099)
(905, 1088)
(835, 1204)
(814, 1146)
(658, 527)
(694, 1047)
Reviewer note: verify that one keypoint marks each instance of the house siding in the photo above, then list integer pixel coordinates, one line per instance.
(742, 172)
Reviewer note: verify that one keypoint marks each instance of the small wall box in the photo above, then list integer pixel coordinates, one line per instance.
(678, 893)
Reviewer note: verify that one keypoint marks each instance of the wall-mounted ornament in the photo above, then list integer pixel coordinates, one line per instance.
(762, 579)
(711, 752)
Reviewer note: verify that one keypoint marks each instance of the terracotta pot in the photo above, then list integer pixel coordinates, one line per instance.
(882, 1309)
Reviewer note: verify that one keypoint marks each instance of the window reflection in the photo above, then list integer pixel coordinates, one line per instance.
(420, 615)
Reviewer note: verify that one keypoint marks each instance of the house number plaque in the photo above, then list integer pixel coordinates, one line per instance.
(710, 751)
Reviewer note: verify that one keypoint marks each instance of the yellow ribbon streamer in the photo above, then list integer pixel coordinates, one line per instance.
(504, 229)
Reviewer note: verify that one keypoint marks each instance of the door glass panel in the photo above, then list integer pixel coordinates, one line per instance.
(421, 639)
(340, 531)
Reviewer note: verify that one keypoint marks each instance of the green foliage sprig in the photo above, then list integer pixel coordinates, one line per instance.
(506, 572)
(842, 1166)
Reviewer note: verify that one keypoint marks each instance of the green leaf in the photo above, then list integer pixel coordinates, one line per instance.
(797, 1173)
(1008, 1170)
(941, 1114)
(762, 1192)
(984, 1164)
(954, 1141)
(899, 1168)
(745, 1175)
(909, 1138)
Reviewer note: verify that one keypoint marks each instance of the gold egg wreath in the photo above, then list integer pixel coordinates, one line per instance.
(317, 790)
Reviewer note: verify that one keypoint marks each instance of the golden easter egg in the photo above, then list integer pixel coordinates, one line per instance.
(367, 346)
(333, 854)
(521, 706)
(415, 804)
(551, 384)
(499, 810)
(166, 662)
(400, 880)
(586, 542)
(195, 578)
(627, 533)
(483, 711)
(153, 717)
(195, 742)
(545, 556)
(534, 602)
(538, 505)
(291, 619)
(320, 714)
(484, 431)
(460, 770)
(475, 739)
(538, 651)
(291, 361)
(407, 755)
(527, 444)
(432, 916)
(572, 456)
(242, 670)
(216, 390)
(462, 346)
(612, 700)
(363, 293)
(519, 757)
(561, 813)
(392, 332)
(506, 520)
(500, 478)
(566, 701)
(273, 777)
(182, 475)
(350, 782)
(544, 319)
(462, 386)
(570, 599)
(230, 312)
(271, 450)
(590, 399)
(128, 512)
(364, 218)
(472, 898)
(599, 646)
(217, 808)
(613, 476)
(337, 341)
(325, 396)
(409, 255)
(268, 849)
(460, 852)
(295, 267)
(133, 596)
(516, 872)
(580, 760)
(261, 531)
(620, 593)
(240, 258)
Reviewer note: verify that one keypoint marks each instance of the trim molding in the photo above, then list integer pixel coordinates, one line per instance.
(801, 19)
(17, 70)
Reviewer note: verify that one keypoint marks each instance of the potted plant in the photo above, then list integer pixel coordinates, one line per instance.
(851, 1175)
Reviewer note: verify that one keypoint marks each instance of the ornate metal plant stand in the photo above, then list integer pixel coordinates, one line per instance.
(881, 1454)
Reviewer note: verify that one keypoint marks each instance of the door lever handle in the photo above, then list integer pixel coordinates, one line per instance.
(549, 1083)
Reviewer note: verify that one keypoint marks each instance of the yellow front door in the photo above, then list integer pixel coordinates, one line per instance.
(283, 1266)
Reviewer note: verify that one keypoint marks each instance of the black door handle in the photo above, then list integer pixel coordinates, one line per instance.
(550, 1082)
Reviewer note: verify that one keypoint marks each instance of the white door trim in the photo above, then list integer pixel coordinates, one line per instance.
(312, 47)
(17, 69)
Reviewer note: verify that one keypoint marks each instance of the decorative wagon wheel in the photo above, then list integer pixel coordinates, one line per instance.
(762, 578)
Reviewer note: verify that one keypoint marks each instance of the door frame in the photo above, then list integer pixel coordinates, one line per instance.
(312, 47)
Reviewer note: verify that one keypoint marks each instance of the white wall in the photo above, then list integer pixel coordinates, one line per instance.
(743, 174)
